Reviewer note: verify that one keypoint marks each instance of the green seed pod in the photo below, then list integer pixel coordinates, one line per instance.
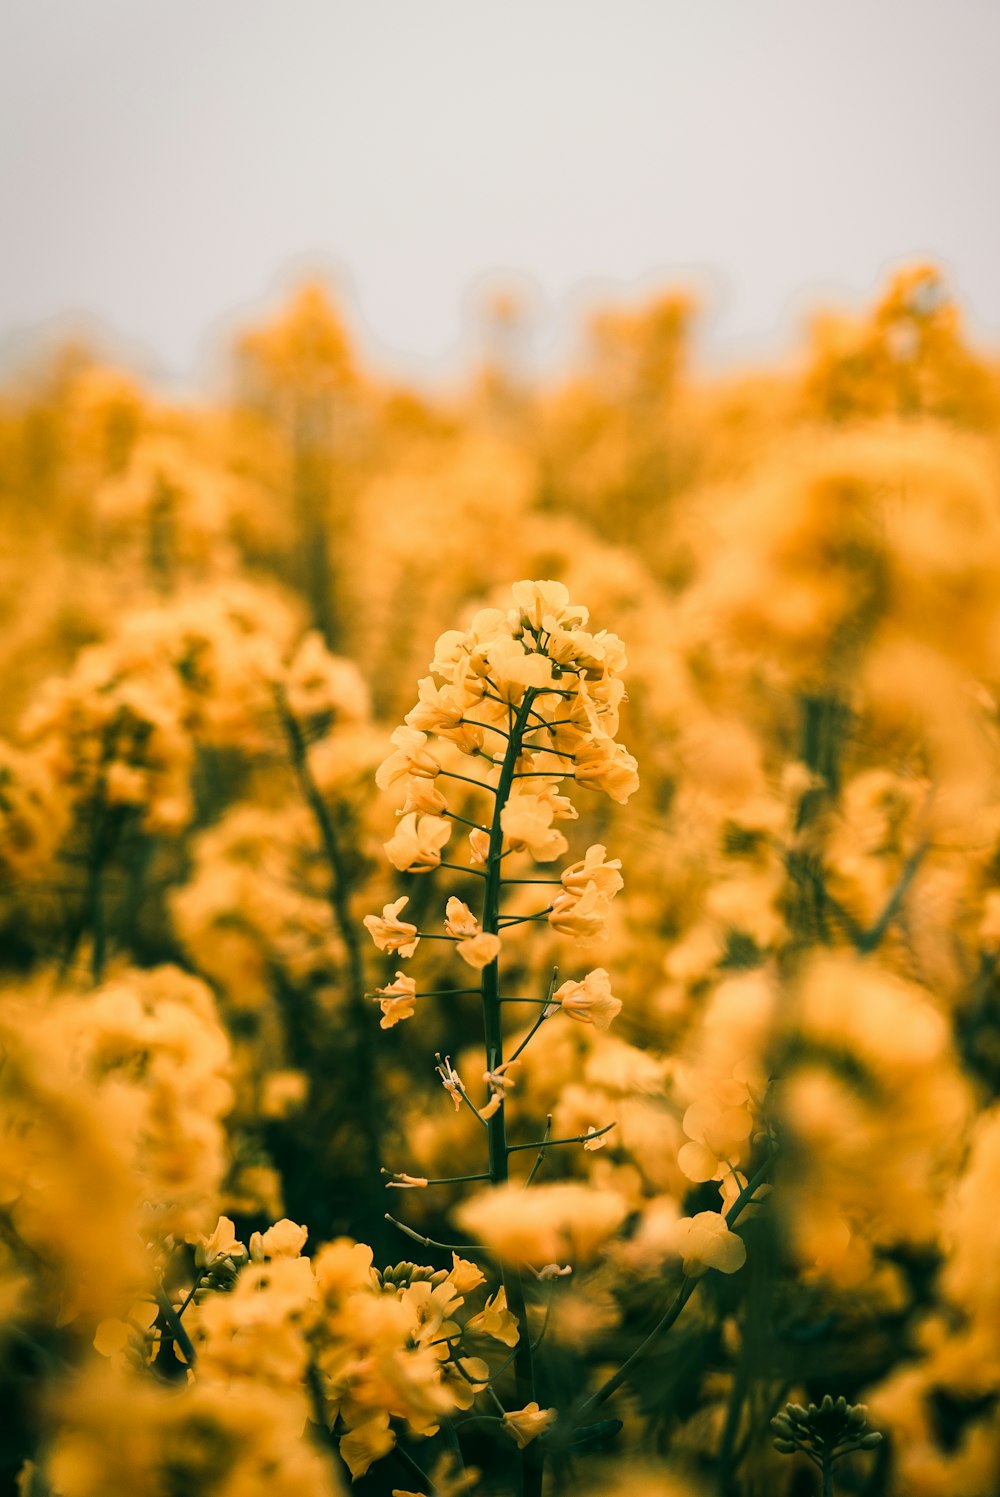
(870, 1440)
(786, 1447)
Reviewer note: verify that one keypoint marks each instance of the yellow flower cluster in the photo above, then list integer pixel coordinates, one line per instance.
(532, 671)
(112, 1105)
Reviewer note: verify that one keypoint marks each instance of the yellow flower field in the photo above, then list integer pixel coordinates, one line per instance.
(500, 899)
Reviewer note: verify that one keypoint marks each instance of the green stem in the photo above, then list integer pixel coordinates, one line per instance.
(173, 1322)
(446, 1247)
(673, 1311)
(467, 780)
(531, 1465)
(540, 1157)
(529, 1036)
(493, 1031)
(550, 1143)
(411, 1468)
(827, 1470)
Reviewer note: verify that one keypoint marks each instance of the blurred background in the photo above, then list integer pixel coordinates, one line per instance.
(167, 165)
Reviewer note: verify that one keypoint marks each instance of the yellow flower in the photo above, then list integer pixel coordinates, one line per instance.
(546, 1224)
(546, 604)
(411, 758)
(590, 1001)
(704, 1241)
(366, 1443)
(459, 920)
(594, 869)
(397, 1001)
(528, 1423)
(476, 947)
(465, 1384)
(422, 795)
(441, 709)
(479, 846)
(464, 1275)
(221, 1244)
(526, 821)
(417, 843)
(480, 950)
(584, 916)
(602, 764)
(495, 1320)
(513, 668)
(284, 1240)
(389, 932)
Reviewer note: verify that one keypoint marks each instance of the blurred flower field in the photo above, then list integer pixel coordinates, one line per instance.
(462, 1033)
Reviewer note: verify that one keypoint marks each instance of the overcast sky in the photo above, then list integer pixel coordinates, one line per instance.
(167, 166)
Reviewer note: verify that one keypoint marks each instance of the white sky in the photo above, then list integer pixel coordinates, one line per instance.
(166, 164)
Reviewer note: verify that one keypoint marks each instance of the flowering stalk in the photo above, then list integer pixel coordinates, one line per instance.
(534, 680)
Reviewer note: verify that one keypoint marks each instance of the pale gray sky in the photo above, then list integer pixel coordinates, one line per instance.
(166, 164)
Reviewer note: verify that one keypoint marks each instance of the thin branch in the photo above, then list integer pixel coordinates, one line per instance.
(529, 1036)
(446, 1247)
(410, 1466)
(467, 780)
(454, 816)
(177, 1331)
(541, 1153)
(469, 722)
(550, 1143)
(441, 1180)
(871, 939)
